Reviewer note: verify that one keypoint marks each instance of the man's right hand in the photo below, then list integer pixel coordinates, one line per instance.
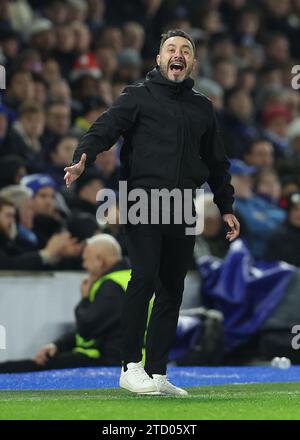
(74, 171)
(44, 353)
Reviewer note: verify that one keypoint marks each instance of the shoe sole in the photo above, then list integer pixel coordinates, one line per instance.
(127, 387)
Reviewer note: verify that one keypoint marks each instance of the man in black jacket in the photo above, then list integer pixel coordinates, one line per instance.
(171, 141)
(97, 336)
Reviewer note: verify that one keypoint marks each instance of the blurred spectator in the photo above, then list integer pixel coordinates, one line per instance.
(96, 339)
(284, 244)
(106, 58)
(12, 169)
(275, 121)
(267, 185)
(91, 108)
(258, 216)
(224, 72)
(60, 90)
(133, 36)
(25, 136)
(20, 88)
(47, 220)
(277, 48)
(212, 240)
(14, 258)
(212, 90)
(82, 36)
(130, 64)
(60, 157)
(260, 154)
(86, 191)
(294, 139)
(237, 122)
(41, 36)
(58, 122)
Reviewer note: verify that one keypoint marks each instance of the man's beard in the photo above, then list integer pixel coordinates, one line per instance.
(164, 70)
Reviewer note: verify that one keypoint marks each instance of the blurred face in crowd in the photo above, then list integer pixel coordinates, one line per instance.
(243, 186)
(59, 119)
(26, 213)
(294, 215)
(249, 23)
(3, 125)
(225, 73)
(280, 8)
(43, 201)
(51, 71)
(278, 49)
(240, 105)
(176, 59)
(82, 36)
(40, 93)
(107, 59)
(60, 90)
(261, 155)
(269, 185)
(33, 123)
(112, 37)
(63, 154)
(7, 219)
(89, 191)
(22, 86)
(133, 36)
(44, 41)
(279, 126)
(10, 47)
(65, 38)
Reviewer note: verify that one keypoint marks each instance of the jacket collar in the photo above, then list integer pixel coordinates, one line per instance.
(170, 88)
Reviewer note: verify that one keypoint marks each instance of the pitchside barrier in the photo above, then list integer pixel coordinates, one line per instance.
(37, 307)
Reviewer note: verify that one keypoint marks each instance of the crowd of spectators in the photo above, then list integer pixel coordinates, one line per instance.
(66, 61)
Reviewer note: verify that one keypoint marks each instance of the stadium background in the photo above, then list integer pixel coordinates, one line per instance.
(66, 61)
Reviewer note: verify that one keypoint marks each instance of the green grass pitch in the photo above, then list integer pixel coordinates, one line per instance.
(249, 401)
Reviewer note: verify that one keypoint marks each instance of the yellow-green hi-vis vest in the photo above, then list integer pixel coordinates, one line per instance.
(122, 278)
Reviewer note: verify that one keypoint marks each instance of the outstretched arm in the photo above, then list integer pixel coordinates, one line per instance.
(103, 133)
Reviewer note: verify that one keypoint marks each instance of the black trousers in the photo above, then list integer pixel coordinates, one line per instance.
(160, 256)
(62, 360)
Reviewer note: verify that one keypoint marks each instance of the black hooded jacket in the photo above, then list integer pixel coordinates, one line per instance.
(171, 139)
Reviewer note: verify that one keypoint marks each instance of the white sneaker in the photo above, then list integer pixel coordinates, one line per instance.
(165, 387)
(136, 380)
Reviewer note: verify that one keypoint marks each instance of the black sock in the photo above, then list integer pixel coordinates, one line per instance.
(124, 366)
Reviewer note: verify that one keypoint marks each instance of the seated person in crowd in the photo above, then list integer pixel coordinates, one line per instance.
(212, 240)
(260, 154)
(47, 220)
(12, 169)
(12, 254)
(96, 339)
(259, 217)
(83, 199)
(267, 186)
(284, 243)
(26, 135)
(59, 157)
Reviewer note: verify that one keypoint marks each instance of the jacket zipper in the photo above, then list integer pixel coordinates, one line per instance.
(179, 166)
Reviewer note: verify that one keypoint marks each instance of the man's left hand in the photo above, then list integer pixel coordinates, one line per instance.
(234, 225)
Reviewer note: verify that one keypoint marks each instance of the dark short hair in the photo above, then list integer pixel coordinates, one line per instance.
(176, 33)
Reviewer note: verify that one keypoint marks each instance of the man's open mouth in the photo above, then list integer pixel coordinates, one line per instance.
(177, 66)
